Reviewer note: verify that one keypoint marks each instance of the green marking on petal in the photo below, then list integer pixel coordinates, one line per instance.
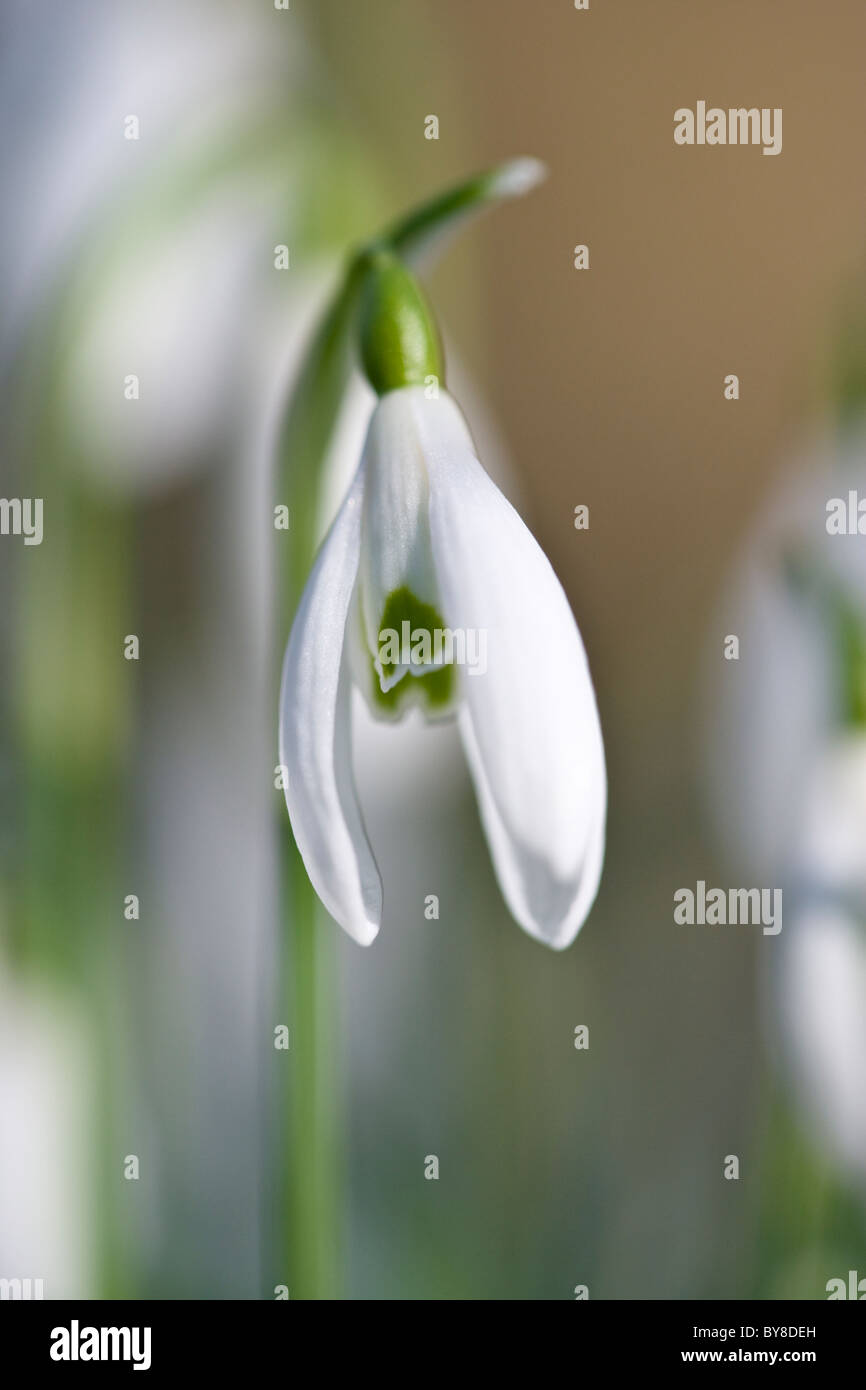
(437, 685)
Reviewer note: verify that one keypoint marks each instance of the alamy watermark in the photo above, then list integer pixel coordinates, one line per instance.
(854, 1287)
(77, 1343)
(443, 646)
(719, 907)
(846, 516)
(22, 516)
(713, 125)
(22, 1290)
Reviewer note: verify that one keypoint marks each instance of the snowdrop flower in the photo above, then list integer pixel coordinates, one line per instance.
(426, 565)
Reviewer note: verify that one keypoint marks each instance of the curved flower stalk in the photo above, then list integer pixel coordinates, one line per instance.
(429, 592)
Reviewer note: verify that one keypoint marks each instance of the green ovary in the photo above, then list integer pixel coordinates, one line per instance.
(436, 685)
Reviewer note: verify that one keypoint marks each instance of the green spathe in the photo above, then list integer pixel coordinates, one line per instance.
(399, 342)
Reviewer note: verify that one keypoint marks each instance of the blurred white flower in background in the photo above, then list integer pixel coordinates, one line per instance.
(66, 154)
(178, 316)
(46, 1153)
(771, 712)
(787, 783)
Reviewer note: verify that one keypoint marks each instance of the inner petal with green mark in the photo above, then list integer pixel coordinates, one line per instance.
(409, 666)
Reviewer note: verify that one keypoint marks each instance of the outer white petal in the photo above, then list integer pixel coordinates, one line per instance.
(529, 723)
(315, 734)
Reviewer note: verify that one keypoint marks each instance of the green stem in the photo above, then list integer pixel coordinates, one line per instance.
(312, 1204)
(421, 230)
(309, 1200)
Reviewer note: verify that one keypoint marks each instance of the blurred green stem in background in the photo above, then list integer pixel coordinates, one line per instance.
(852, 642)
(809, 1223)
(72, 719)
(310, 1197)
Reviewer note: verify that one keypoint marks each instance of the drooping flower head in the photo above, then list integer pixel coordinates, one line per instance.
(429, 592)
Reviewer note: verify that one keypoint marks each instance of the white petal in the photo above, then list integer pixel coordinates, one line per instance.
(530, 723)
(345, 447)
(315, 734)
(396, 538)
